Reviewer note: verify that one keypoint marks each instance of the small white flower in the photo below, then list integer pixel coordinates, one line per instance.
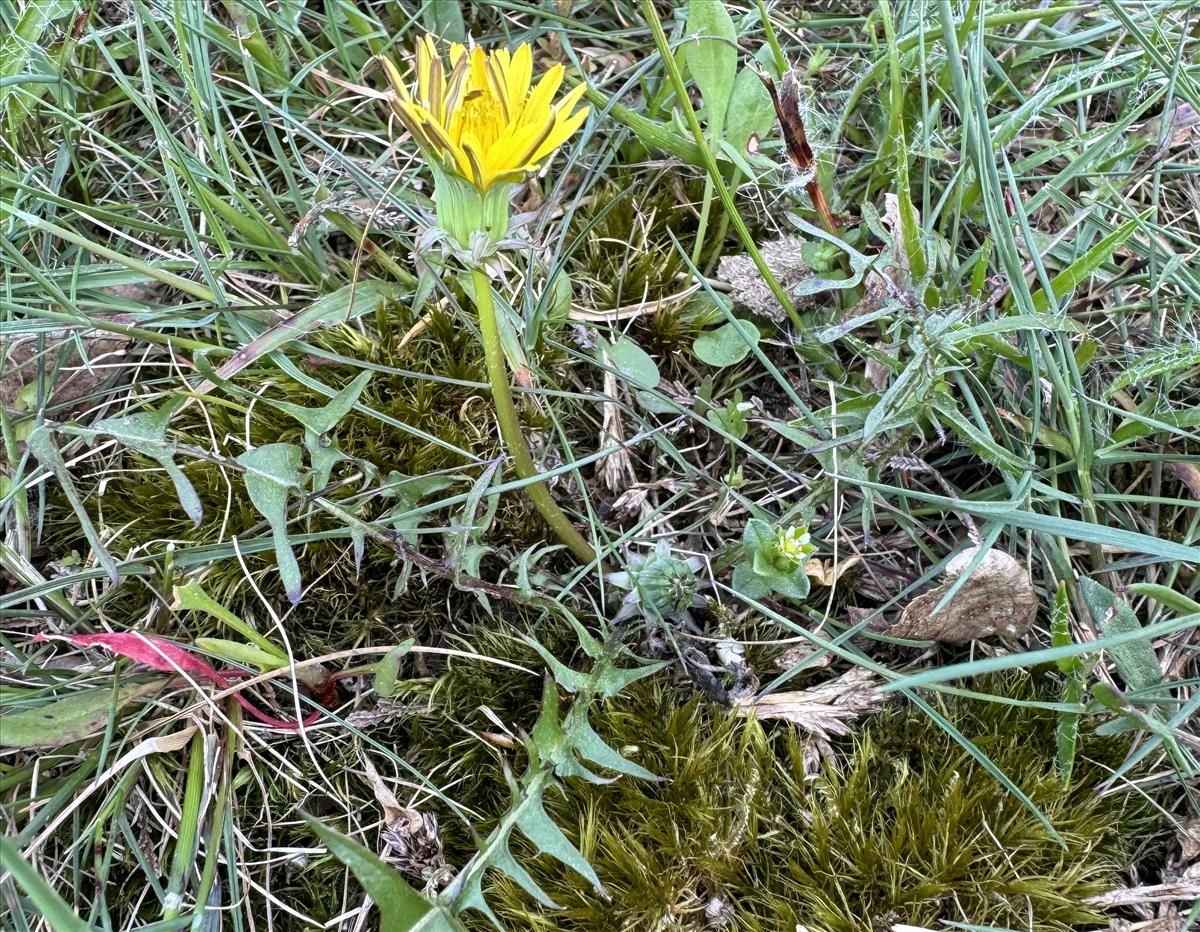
(794, 545)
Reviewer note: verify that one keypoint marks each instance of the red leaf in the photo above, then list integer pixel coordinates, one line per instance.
(161, 654)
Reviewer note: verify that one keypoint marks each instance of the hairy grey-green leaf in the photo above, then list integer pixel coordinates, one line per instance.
(978, 439)
(146, 432)
(470, 523)
(813, 284)
(410, 492)
(347, 303)
(757, 535)
(794, 585)
(900, 388)
(466, 890)
(1154, 363)
(1135, 659)
(748, 583)
(69, 719)
(271, 471)
(839, 330)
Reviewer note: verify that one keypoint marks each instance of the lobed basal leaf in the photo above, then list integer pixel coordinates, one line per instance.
(271, 471)
(556, 746)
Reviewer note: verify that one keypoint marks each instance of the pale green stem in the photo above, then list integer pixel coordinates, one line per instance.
(705, 207)
(510, 423)
(722, 228)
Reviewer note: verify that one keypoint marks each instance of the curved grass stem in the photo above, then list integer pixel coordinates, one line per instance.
(510, 424)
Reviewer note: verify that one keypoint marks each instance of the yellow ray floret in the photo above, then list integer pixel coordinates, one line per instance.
(479, 115)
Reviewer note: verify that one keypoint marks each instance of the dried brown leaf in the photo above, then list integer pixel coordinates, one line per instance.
(879, 375)
(799, 652)
(827, 573)
(1189, 840)
(1165, 924)
(1182, 129)
(879, 284)
(998, 598)
(1188, 474)
(76, 380)
(1186, 889)
(413, 842)
(635, 309)
(615, 469)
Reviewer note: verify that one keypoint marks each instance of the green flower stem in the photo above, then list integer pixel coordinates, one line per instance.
(510, 424)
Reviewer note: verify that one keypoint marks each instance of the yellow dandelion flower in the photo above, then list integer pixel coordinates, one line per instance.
(481, 117)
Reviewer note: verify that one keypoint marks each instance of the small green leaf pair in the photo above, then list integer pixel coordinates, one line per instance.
(733, 419)
(773, 561)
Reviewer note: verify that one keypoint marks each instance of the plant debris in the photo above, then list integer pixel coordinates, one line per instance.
(784, 257)
(825, 711)
(997, 599)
